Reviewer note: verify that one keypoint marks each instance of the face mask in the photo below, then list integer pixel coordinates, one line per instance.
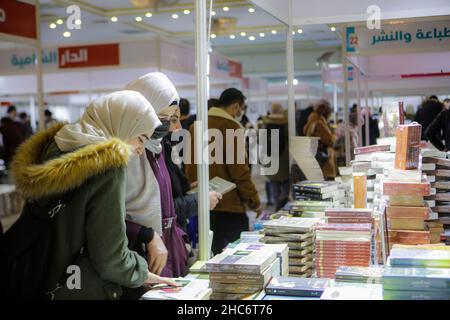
(161, 131)
(239, 117)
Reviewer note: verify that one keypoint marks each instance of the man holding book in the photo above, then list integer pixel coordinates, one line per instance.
(229, 218)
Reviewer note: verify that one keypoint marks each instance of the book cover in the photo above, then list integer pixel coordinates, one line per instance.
(371, 149)
(371, 292)
(290, 286)
(348, 212)
(301, 225)
(219, 185)
(237, 288)
(421, 279)
(372, 274)
(406, 223)
(407, 201)
(407, 148)
(360, 190)
(419, 257)
(415, 295)
(189, 290)
(408, 212)
(399, 188)
(316, 186)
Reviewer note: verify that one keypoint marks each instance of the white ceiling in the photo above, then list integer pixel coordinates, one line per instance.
(97, 27)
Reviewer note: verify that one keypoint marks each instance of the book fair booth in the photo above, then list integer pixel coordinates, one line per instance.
(379, 231)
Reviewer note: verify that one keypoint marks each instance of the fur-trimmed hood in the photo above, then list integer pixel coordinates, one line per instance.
(35, 178)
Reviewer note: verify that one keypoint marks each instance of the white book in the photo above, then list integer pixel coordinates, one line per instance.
(196, 289)
(428, 166)
(219, 185)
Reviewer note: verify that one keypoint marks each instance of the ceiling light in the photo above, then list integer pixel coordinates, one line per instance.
(232, 36)
(149, 14)
(59, 21)
(226, 9)
(186, 11)
(175, 16)
(295, 82)
(251, 10)
(213, 36)
(252, 38)
(66, 34)
(52, 25)
(243, 34)
(262, 35)
(274, 31)
(138, 19)
(78, 22)
(293, 32)
(333, 29)
(300, 31)
(114, 19)
(213, 13)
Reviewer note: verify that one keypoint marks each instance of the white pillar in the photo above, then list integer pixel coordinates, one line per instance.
(39, 75)
(358, 105)
(201, 57)
(290, 73)
(335, 102)
(366, 94)
(345, 95)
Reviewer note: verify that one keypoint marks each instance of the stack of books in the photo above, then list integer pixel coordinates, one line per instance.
(298, 234)
(311, 197)
(409, 219)
(338, 245)
(441, 196)
(417, 273)
(281, 287)
(240, 274)
(189, 289)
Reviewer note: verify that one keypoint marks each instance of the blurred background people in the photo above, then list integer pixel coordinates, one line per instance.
(427, 112)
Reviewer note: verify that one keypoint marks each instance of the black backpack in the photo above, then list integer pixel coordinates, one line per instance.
(25, 252)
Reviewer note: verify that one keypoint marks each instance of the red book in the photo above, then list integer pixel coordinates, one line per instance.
(349, 220)
(344, 212)
(363, 227)
(396, 188)
(372, 148)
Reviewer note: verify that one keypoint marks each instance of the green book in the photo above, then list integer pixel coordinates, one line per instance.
(425, 279)
(401, 257)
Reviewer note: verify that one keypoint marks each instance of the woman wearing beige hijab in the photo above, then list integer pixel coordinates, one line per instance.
(77, 172)
(161, 93)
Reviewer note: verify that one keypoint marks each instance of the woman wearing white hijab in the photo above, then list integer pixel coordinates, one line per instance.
(161, 93)
(77, 172)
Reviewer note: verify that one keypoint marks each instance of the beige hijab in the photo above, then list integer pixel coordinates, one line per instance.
(160, 92)
(122, 114)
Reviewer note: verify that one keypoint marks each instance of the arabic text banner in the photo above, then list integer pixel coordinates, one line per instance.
(421, 36)
(18, 18)
(89, 56)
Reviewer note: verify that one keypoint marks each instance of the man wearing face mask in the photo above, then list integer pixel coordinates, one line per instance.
(229, 218)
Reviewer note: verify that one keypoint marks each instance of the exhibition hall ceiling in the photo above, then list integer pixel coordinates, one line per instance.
(234, 23)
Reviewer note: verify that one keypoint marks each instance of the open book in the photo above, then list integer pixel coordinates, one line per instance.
(219, 185)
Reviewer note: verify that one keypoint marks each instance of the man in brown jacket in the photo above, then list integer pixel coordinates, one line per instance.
(229, 218)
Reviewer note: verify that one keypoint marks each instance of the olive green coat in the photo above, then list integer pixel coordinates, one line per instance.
(90, 182)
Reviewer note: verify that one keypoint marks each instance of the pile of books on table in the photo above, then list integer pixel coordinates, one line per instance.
(372, 160)
(292, 288)
(313, 197)
(298, 234)
(242, 274)
(338, 245)
(440, 182)
(345, 181)
(417, 273)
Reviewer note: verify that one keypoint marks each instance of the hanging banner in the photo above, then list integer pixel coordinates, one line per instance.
(18, 19)
(24, 61)
(89, 56)
(405, 37)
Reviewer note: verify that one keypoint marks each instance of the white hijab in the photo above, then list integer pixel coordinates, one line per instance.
(122, 114)
(160, 92)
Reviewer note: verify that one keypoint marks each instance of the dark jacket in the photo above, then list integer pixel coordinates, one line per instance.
(374, 132)
(93, 216)
(438, 129)
(185, 204)
(301, 119)
(13, 135)
(426, 114)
